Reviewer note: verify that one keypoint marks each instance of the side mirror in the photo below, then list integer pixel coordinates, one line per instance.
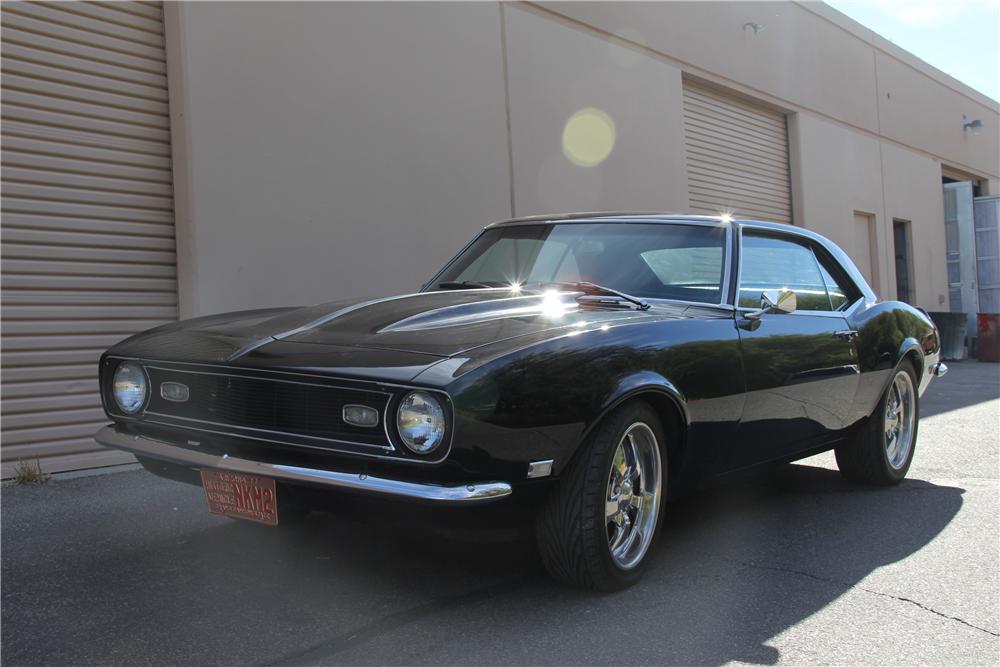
(778, 301)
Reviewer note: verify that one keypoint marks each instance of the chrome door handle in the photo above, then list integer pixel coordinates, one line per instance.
(846, 334)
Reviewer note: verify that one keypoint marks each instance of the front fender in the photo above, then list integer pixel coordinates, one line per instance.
(637, 384)
(543, 401)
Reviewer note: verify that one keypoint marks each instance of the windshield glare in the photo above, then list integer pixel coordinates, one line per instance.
(652, 260)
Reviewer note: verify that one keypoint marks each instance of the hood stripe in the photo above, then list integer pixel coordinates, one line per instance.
(466, 313)
(337, 313)
(250, 347)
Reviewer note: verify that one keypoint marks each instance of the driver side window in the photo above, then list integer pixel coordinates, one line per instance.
(769, 263)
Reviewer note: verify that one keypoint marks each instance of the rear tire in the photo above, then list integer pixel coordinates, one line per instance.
(598, 523)
(881, 451)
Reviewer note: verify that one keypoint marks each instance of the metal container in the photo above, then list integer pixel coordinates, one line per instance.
(989, 337)
(951, 327)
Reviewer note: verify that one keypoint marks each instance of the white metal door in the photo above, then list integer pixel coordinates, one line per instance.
(960, 246)
(987, 217)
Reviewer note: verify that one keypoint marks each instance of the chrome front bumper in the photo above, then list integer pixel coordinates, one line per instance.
(463, 494)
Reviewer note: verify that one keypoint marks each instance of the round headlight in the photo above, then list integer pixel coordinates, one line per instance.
(129, 387)
(420, 421)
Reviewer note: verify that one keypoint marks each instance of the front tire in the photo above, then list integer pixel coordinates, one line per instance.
(881, 452)
(597, 525)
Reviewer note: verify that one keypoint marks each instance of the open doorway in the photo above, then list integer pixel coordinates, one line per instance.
(972, 239)
(977, 185)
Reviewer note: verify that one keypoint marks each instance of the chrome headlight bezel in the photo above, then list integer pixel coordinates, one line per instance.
(428, 408)
(143, 382)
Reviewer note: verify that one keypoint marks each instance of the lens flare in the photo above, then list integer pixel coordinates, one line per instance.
(588, 137)
(552, 304)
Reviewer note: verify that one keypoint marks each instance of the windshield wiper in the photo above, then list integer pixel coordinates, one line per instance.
(470, 284)
(592, 289)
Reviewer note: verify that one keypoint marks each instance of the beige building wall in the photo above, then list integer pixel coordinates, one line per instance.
(327, 150)
(808, 57)
(920, 112)
(556, 71)
(838, 173)
(331, 149)
(843, 173)
(799, 58)
(913, 193)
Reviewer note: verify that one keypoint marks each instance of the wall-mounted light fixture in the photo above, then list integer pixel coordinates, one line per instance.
(756, 27)
(975, 125)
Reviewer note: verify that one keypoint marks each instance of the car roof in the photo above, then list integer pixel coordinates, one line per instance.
(660, 217)
(610, 216)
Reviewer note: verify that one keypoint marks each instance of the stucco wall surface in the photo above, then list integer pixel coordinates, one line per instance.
(324, 150)
(334, 149)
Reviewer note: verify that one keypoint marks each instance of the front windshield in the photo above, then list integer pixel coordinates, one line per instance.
(652, 260)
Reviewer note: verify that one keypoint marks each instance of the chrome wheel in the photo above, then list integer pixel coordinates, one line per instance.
(633, 498)
(900, 417)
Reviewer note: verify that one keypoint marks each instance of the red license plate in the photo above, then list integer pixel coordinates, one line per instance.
(240, 496)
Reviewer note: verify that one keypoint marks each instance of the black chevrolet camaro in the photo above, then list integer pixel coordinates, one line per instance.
(585, 367)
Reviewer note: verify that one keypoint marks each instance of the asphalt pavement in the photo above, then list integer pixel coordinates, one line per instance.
(791, 566)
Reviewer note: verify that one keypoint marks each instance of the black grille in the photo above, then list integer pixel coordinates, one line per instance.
(289, 407)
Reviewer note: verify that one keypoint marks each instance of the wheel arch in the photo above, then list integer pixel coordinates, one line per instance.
(911, 351)
(666, 400)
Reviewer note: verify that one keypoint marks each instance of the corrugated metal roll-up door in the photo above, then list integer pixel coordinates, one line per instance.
(737, 156)
(88, 226)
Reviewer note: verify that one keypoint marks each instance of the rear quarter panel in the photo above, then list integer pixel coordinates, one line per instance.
(888, 331)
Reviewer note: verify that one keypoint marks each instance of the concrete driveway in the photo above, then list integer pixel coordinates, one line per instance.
(791, 566)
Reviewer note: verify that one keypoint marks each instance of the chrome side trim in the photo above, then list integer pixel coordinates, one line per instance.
(939, 369)
(811, 313)
(462, 494)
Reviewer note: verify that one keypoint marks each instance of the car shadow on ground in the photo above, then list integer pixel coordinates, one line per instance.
(733, 567)
(970, 383)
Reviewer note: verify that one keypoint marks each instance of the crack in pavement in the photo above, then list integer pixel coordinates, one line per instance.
(847, 586)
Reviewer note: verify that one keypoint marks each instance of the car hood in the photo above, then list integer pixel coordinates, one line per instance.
(439, 324)
(442, 323)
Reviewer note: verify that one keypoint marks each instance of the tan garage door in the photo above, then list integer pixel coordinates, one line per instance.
(88, 233)
(737, 156)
